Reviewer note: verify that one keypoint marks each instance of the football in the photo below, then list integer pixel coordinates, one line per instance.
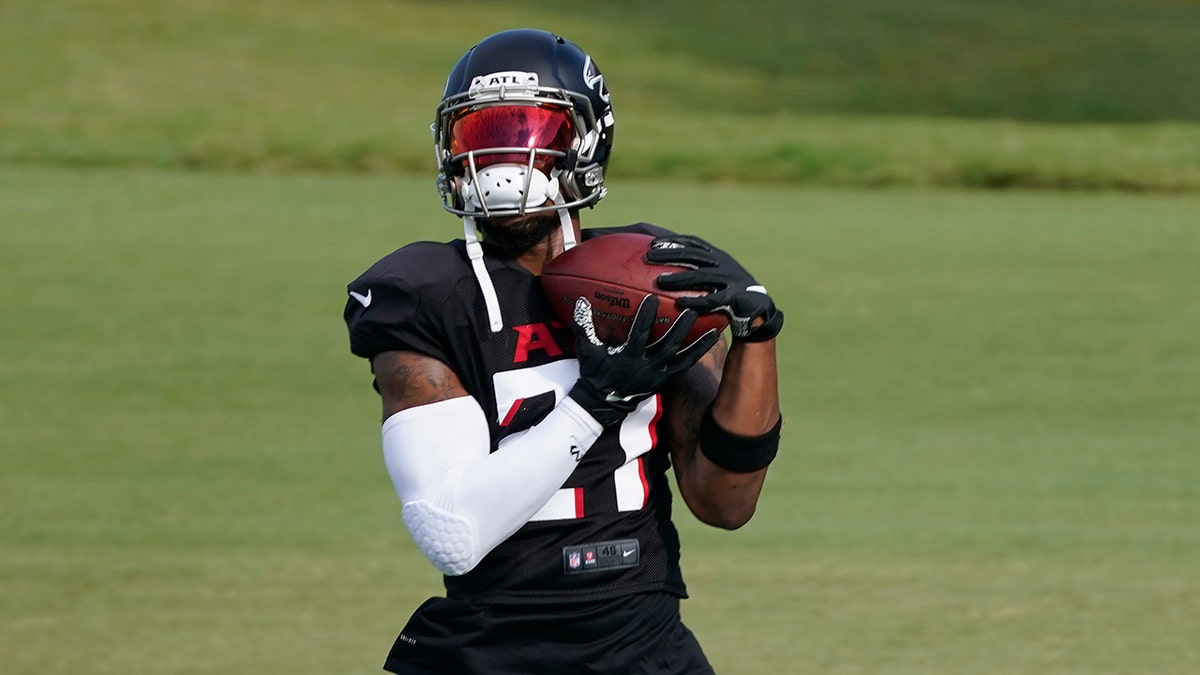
(611, 272)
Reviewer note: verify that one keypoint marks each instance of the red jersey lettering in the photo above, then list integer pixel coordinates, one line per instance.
(532, 336)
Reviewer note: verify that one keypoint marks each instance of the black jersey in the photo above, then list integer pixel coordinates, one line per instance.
(607, 532)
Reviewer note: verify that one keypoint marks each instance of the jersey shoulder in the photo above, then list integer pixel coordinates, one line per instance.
(396, 303)
(419, 264)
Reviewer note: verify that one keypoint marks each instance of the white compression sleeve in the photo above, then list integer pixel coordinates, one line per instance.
(460, 500)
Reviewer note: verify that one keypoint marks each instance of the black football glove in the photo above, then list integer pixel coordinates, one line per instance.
(732, 290)
(614, 380)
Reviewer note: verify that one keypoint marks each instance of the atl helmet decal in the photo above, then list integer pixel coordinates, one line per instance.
(506, 84)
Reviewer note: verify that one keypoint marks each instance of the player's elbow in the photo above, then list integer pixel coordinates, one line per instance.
(723, 515)
(719, 505)
(727, 519)
(447, 539)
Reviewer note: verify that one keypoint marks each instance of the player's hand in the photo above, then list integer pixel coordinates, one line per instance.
(614, 380)
(753, 316)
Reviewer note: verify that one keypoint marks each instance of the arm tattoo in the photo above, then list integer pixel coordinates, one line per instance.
(408, 379)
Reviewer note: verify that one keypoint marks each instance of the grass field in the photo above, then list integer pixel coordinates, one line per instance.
(990, 461)
(968, 93)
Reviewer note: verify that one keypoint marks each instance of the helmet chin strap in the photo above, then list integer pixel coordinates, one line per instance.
(475, 249)
(564, 215)
(568, 229)
(475, 253)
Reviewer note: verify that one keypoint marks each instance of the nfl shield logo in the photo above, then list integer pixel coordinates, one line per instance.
(573, 560)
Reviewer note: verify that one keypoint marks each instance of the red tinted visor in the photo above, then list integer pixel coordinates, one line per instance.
(512, 127)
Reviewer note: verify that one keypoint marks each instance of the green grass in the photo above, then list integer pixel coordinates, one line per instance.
(989, 463)
(1047, 60)
(864, 93)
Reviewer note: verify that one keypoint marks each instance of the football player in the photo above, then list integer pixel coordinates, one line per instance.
(531, 459)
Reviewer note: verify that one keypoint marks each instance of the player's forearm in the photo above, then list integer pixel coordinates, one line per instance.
(460, 501)
(723, 477)
(747, 402)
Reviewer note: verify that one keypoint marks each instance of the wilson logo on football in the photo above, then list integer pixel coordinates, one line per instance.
(614, 300)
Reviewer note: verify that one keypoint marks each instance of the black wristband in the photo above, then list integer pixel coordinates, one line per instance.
(740, 454)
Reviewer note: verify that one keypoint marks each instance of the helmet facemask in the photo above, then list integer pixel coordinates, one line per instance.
(508, 147)
(508, 159)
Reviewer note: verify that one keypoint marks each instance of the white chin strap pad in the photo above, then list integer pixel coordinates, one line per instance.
(503, 187)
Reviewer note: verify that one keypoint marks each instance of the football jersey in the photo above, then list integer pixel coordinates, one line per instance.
(607, 532)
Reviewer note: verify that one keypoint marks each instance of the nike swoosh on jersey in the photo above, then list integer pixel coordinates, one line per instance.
(614, 397)
(365, 300)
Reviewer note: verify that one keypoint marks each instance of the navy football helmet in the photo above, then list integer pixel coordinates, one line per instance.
(525, 126)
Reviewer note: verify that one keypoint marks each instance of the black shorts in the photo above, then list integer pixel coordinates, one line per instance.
(634, 635)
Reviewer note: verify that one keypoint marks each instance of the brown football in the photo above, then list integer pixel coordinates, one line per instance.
(612, 273)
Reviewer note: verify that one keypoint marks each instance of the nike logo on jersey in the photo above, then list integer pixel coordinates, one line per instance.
(614, 397)
(365, 300)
